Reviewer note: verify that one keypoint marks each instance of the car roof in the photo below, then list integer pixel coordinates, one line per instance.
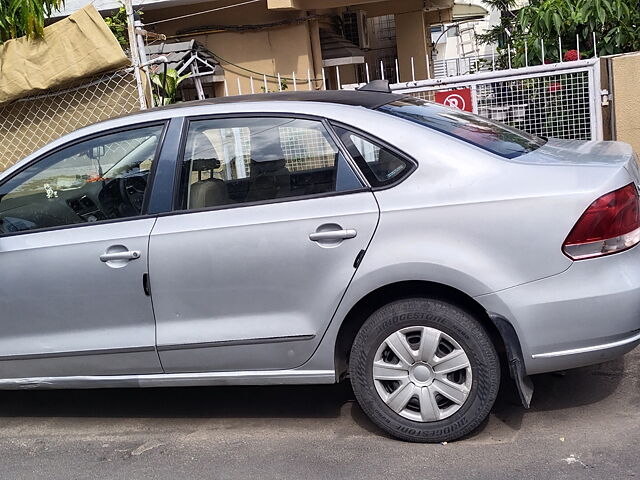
(366, 99)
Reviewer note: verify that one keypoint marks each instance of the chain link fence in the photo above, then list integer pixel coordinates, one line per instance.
(30, 123)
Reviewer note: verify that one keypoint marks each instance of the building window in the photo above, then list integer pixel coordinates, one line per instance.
(383, 52)
(350, 27)
(384, 28)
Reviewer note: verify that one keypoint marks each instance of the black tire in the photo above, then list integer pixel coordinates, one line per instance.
(460, 326)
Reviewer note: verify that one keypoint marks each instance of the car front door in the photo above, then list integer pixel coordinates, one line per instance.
(249, 271)
(73, 257)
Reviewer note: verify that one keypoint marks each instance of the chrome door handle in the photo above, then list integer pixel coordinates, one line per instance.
(129, 255)
(332, 235)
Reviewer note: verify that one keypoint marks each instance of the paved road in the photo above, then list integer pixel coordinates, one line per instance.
(584, 424)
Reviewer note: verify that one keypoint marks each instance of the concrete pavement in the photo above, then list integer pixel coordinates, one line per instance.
(583, 424)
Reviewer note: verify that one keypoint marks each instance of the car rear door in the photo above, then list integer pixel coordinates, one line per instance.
(270, 224)
(73, 256)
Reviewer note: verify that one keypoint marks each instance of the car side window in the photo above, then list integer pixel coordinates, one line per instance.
(245, 160)
(379, 165)
(102, 178)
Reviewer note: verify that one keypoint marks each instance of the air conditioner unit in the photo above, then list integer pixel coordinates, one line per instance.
(363, 29)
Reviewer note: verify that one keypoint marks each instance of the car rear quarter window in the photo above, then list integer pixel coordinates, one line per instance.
(500, 139)
(380, 165)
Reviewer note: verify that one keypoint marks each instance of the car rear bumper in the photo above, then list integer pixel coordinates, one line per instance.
(588, 314)
(577, 357)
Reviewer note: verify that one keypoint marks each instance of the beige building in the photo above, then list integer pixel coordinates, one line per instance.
(301, 37)
(624, 117)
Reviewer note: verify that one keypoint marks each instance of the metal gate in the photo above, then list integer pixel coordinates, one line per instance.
(561, 100)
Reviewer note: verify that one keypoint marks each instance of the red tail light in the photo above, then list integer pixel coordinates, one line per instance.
(611, 224)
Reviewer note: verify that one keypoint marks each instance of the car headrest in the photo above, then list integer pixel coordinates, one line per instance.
(204, 164)
(203, 154)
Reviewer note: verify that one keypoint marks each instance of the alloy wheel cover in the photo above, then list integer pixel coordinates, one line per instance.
(422, 374)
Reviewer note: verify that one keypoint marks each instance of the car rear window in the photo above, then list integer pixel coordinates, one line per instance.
(495, 137)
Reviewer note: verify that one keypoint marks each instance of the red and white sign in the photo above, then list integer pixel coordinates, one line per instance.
(460, 99)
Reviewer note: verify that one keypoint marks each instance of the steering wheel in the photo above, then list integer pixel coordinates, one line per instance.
(132, 190)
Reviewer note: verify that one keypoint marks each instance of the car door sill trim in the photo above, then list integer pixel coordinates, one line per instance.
(77, 353)
(230, 343)
(261, 377)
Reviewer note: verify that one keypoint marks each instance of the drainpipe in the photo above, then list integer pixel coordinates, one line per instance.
(135, 54)
(316, 49)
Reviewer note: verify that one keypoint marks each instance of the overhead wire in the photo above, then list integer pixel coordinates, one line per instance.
(188, 15)
(216, 28)
(261, 75)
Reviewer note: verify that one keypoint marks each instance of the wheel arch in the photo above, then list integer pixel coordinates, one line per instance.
(500, 331)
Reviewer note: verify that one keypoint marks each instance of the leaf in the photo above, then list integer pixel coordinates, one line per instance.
(156, 80)
(624, 10)
(600, 12)
(547, 20)
(182, 78)
(172, 73)
(557, 21)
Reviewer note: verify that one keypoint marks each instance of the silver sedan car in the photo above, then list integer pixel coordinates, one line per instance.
(307, 237)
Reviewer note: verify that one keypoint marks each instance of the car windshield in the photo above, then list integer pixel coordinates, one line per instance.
(495, 137)
(137, 159)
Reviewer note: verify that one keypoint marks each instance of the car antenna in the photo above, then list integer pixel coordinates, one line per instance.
(381, 86)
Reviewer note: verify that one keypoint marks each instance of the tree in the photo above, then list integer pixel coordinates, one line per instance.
(616, 24)
(25, 17)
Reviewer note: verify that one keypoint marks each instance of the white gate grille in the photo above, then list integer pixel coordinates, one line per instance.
(559, 100)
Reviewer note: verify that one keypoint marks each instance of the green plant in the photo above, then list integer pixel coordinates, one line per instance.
(166, 86)
(20, 18)
(118, 25)
(616, 24)
(283, 86)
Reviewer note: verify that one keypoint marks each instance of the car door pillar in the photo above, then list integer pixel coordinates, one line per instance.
(161, 197)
